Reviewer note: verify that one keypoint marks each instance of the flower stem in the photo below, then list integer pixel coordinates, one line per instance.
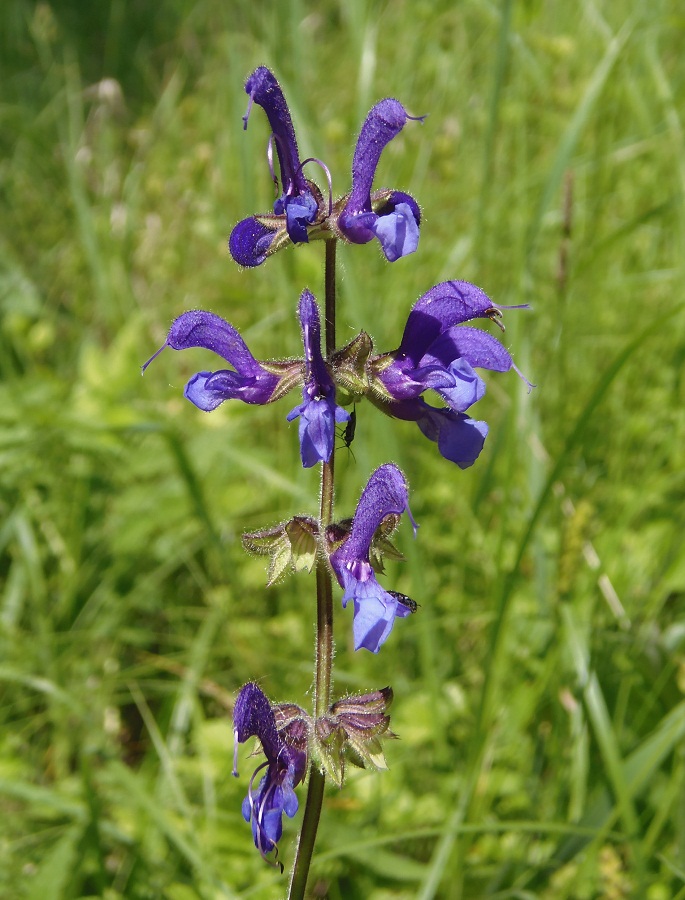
(324, 627)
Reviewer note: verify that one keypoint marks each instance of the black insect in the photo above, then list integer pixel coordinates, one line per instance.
(347, 434)
(350, 428)
(411, 605)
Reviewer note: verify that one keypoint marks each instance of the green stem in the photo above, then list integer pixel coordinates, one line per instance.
(324, 627)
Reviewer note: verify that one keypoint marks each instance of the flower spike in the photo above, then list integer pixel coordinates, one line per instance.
(391, 216)
(375, 609)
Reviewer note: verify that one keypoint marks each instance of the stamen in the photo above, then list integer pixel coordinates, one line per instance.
(235, 753)
(529, 384)
(272, 862)
(249, 787)
(495, 315)
(414, 523)
(328, 178)
(154, 356)
(270, 159)
(249, 109)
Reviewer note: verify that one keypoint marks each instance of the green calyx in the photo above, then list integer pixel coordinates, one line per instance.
(289, 545)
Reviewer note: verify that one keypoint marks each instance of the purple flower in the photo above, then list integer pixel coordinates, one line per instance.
(297, 208)
(439, 353)
(375, 610)
(285, 764)
(391, 216)
(318, 411)
(249, 381)
(459, 438)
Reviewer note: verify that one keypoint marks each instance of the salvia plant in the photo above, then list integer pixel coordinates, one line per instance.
(437, 352)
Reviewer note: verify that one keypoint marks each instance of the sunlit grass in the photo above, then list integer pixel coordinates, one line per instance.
(539, 689)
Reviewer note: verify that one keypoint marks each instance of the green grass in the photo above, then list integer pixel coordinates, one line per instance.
(540, 690)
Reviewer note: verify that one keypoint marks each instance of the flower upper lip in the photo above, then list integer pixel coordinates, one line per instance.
(391, 216)
(264, 89)
(375, 609)
(300, 202)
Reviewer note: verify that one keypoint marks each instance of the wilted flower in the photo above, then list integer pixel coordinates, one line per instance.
(375, 609)
(391, 216)
(286, 763)
(318, 412)
(353, 729)
(300, 205)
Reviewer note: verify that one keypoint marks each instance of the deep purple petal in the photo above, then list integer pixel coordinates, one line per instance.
(253, 717)
(316, 429)
(199, 328)
(265, 90)
(358, 227)
(385, 493)
(374, 609)
(318, 412)
(300, 211)
(400, 381)
(444, 305)
(395, 199)
(459, 439)
(310, 324)
(480, 349)
(207, 390)
(250, 241)
(383, 123)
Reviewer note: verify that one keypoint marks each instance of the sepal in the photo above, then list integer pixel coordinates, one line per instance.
(289, 545)
(294, 725)
(353, 731)
(330, 747)
(351, 365)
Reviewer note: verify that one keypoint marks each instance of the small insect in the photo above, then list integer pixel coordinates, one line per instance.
(411, 605)
(347, 435)
(350, 428)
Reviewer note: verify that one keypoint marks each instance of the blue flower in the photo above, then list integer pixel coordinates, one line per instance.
(375, 609)
(249, 381)
(439, 353)
(318, 412)
(258, 382)
(392, 217)
(301, 214)
(300, 205)
(286, 763)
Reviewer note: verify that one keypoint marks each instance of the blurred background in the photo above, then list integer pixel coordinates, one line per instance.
(539, 688)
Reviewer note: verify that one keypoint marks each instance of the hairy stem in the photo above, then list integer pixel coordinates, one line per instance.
(324, 627)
